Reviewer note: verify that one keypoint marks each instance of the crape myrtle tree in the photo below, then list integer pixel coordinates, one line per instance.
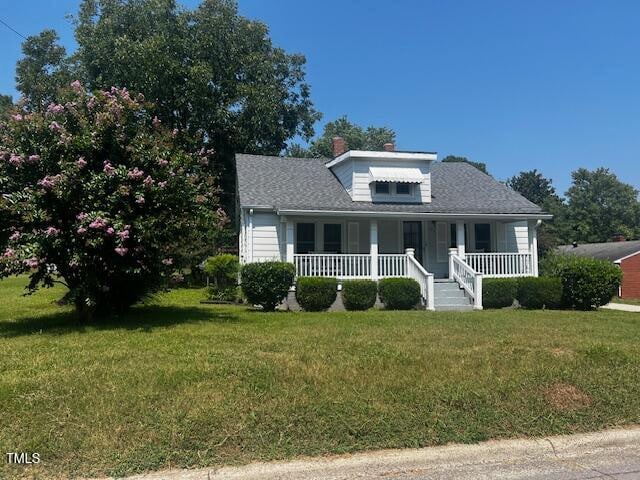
(96, 193)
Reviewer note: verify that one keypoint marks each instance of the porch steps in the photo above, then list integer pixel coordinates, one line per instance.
(449, 296)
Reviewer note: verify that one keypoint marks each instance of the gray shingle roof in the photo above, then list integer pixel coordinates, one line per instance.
(611, 251)
(307, 184)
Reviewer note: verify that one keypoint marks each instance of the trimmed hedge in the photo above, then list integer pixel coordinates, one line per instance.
(359, 294)
(399, 293)
(587, 283)
(540, 292)
(499, 292)
(315, 294)
(267, 283)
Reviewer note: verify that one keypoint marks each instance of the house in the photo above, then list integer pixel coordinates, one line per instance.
(625, 254)
(366, 214)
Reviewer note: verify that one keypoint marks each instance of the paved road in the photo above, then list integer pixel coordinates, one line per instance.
(622, 306)
(613, 454)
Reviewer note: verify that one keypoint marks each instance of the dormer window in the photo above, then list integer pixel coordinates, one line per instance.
(403, 189)
(382, 188)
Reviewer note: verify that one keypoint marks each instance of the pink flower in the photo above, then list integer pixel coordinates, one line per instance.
(32, 262)
(17, 117)
(55, 108)
(15, 160)
(162, 184)
(174, 132)
(135, 174)
(122, 251)
(124, 234)
(99, 223)
(81, 216)
(167, 261)
(15, 236)
(9, 253)
(82, 231)
(76, 85)
(140, 200)
(110, 231)
(55, 127)
(155, 122)
(49, 182)
(162, 162)
(148, 181)
(108, 168)
(34, 158)
(91, 103)
(81, 162)
(52, 231)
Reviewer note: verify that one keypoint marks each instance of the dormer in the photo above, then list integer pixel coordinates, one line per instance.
(388, 176)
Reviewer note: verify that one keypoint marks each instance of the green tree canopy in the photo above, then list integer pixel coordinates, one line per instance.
(355, 136)
(6, 105)
(207, 70)
(600, 205)
(532, 186)
(479, 165)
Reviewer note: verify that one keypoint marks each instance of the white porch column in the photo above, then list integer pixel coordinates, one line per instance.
(373, 249)
(290, 247)
(460, 239)
(532, 226)
(250, 236)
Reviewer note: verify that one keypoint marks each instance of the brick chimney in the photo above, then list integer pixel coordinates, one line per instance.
(339, 146)
(389, 147)
(618, 237)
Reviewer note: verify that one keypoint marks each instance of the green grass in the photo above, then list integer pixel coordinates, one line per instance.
(628, 301)
(179, 384)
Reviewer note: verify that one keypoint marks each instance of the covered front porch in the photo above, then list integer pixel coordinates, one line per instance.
(377, 248)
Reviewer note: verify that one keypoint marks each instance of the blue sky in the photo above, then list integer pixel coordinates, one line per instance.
(518, 85)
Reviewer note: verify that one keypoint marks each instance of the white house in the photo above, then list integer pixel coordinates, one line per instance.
(365, 214)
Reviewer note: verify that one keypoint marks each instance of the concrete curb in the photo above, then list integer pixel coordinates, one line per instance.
(606, 454)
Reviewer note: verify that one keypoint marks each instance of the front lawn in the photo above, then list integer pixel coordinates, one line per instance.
(179, 384)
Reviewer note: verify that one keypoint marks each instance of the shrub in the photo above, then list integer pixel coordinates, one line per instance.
(96, 192)
(540, 292)
(399, 293)
(499, 292)
(223, 271)
(359, 294)
(315, 294)
(267, 283)
(587, 283)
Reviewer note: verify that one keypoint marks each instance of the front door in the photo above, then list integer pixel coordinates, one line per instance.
(412, 237)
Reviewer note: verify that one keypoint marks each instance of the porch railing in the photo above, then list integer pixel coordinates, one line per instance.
(467, 278)
(392, 265)
(424, 279)
(501, 264)
(340, 266)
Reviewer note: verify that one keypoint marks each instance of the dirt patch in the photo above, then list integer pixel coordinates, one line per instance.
(566, 397)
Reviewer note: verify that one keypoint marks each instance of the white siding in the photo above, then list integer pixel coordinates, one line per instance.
(268, 236)
(516, 237)
(361, 187)
(344, 173)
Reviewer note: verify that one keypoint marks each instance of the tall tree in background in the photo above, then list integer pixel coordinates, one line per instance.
(599, 205)
(209, 71)
(43, 70)
(356, 138)
(6, 105)
(532, 186)
(479, 165)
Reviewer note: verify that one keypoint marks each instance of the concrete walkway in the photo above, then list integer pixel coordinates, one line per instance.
(622, 306)
(602, 455)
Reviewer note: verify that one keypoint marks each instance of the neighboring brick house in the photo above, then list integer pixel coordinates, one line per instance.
(622, 253)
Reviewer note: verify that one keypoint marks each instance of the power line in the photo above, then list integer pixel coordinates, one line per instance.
(12, 29)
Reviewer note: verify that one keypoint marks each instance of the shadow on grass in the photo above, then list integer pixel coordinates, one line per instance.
(142, 318)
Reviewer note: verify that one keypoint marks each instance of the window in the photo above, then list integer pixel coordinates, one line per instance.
(483, 237)
(305, 237)
(332, 238)
(403, 188)
(382, 188)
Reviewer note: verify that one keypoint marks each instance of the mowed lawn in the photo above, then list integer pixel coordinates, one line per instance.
(179, 384)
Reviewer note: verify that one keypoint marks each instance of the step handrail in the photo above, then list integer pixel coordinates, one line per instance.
(467, 278)
(425, 279)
